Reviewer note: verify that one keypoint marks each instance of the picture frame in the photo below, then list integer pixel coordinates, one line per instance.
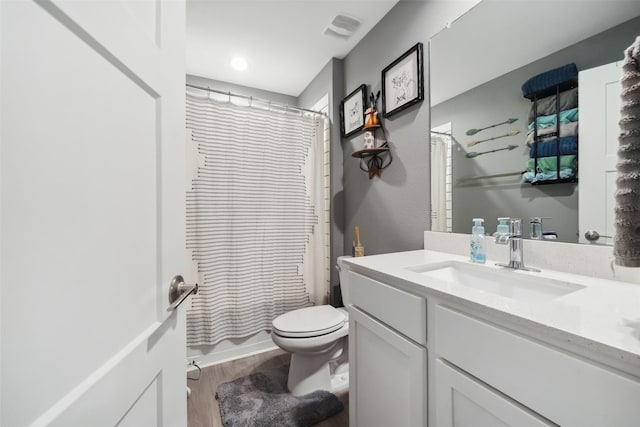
(403, 82)
(352, 109)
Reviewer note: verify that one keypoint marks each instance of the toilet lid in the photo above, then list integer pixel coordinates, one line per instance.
(309, 322)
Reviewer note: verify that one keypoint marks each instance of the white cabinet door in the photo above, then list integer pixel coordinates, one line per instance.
(387, 376)
(92, 213)
(598, 150)
(463, 402)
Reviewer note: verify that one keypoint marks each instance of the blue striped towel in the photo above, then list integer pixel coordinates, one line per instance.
(549, 79)
(568, 145)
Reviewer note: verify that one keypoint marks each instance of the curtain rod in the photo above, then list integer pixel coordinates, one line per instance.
(252, 98)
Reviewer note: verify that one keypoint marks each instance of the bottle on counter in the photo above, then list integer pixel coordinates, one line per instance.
(503, 227)
(478, 254)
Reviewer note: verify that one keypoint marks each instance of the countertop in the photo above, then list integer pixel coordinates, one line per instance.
(604, 316)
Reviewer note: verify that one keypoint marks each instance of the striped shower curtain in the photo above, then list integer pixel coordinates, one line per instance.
(441, 195)
(257, 216)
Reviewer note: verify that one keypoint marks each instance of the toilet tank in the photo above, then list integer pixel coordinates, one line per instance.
(344, 283)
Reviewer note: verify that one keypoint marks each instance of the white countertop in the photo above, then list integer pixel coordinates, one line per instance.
(604, 316)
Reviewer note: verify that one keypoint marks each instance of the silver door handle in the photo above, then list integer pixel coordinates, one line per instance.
(179, 291)
(593, 235)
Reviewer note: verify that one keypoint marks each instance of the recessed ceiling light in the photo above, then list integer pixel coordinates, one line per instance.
(239, 63)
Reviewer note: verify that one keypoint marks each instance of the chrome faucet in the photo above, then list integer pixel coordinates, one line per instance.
(514, 239)
(537, 232)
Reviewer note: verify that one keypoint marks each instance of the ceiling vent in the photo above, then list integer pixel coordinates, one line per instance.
(342, 26)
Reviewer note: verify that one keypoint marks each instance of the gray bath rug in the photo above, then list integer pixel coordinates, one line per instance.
(262, 400)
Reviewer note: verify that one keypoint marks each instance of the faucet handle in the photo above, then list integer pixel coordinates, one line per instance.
(515, 226)
(538, 219)
(535, 227)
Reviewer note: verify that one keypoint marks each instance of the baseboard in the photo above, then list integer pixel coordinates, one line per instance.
(236, 350)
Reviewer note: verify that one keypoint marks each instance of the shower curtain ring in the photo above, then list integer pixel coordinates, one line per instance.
(229, 93)
(250, 101)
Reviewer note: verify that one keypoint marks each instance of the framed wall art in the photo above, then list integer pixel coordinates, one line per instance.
(352, 111)
(403, 82)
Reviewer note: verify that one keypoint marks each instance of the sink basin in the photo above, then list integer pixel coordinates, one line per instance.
(504, 282)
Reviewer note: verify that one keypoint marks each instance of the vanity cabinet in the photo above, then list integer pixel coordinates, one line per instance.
(482, 368)
(387, 356)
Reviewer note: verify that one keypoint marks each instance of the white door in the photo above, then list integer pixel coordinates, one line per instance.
(599, 100)
(92, 201)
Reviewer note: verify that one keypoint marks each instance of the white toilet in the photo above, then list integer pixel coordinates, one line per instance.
(317, 337)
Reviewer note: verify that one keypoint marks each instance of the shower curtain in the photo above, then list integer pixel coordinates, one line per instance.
(441, 178)
(257, 215)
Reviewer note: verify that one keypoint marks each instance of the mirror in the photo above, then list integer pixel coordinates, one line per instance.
(480, 119)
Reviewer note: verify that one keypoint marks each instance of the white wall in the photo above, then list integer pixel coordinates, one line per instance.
(330, 81)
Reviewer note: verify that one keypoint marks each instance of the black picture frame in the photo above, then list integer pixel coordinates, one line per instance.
(352, 109)
(403, 82)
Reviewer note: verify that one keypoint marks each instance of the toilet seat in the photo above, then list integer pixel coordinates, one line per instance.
(309, 322)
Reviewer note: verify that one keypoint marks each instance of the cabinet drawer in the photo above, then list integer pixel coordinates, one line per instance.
(463, 402)
(561, 387)
(402, 311)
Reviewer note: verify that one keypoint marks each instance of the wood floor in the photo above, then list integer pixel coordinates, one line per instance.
(203, 408)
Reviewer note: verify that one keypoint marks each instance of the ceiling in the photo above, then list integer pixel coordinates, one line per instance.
(282, 41)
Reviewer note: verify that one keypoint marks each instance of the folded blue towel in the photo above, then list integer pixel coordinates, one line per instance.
(547, 176)
(547, 80)
(543, 122)
(568, 145)
(547, 134)
(550, 164)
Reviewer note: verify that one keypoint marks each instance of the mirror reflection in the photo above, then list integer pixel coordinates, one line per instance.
(482, 125)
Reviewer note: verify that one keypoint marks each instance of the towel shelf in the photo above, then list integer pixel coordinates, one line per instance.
(535, 97)
(368, 152)
(556, 181)
(373, 160)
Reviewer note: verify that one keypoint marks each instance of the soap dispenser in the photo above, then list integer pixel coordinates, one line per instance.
(477, 242)
(503, 227)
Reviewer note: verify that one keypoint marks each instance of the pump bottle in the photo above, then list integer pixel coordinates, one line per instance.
(478, 254)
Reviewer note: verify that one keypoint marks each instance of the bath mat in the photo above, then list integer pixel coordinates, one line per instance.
(262, 399)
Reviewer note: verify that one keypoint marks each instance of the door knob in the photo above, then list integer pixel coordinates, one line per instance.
(593, 235)
(179, 291)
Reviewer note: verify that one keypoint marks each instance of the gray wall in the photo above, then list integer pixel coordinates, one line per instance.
(494, 102)
(330, 81)
(392, 211)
